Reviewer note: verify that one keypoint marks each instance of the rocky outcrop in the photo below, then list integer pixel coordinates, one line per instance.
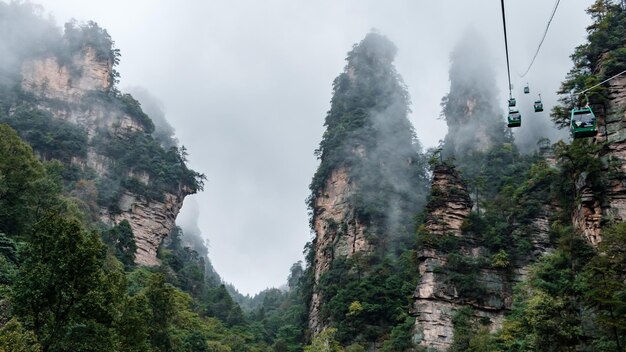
(436, 298)
(72, 91)
(338, 233)
(67, 81)
(450, 202)
(591, 212)
(151, 222)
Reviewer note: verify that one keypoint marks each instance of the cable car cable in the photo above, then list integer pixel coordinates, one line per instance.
(556, 6)
(506, 47)
(606, 80)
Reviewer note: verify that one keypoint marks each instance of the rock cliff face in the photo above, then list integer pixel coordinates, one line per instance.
(67, 82)
(436, 299)
(69, 91)
(450, 204)
(592, 212)
(338, 233)
(370, 183)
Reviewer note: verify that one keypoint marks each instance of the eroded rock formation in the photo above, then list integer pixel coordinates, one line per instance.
(338, 233)
(436, 298)
(591, 212)
(69, 92)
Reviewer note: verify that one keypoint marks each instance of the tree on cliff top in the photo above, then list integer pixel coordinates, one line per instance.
(369, 134)
(369, 137)
(603, 56)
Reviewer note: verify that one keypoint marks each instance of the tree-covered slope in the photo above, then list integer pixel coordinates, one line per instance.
(572, 299)
(72, 147)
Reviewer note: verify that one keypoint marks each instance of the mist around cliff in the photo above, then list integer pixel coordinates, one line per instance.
(24, 33)
(472, 109)
(369, 133)
(193, 238)
(154, 107)
(475, 110)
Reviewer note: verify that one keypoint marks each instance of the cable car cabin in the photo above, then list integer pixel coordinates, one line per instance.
(526, 89)
(583, 123)
(514, 119)
(538, 106)
(511, 102)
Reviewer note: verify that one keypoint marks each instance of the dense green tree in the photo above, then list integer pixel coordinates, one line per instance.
(52, 138)
(14, 338)
(605, 291)
(324, 342)
(120, 237)
(222, 306)
(133, 326)
(66, 292)
(160, 297)
(602, 56)
(21, 176)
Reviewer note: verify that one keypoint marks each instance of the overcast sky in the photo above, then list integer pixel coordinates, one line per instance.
(247, 83)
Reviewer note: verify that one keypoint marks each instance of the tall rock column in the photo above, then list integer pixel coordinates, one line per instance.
(371, 178)
(438, 298)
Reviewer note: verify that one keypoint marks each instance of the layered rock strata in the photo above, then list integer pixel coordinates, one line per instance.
(338, 234)
(436, 299)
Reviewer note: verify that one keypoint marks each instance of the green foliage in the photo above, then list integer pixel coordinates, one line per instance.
(138, 153)
(133, 324)
(160, 298)
(365, 302)
(463, 273)
(369, 137)
(132, 107)
(78, 37)
(65, 292)
(51, 138)
(223, 307)
(510, 191)
(25, 190)
(368, 133)
(324, 342)
(603, 56)
(14, 338)
(121, 239)
(605, 288)
(573, 300)
(186, 269)
(401, 337)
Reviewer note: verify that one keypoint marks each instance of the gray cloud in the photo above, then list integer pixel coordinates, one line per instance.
(247, 84)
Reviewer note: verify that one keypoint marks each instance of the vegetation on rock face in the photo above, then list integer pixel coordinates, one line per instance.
(368, 132)
(603, 56)
(573, 298)
(369, 135)
(131, 152)
(69, 283)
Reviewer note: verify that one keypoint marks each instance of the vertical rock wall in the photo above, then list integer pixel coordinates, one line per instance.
(65, 89)
(591, 212)
(338, 233)
(436, 299)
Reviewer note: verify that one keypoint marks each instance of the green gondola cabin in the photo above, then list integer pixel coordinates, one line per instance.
(514, 118)
(512, 102)
(538, 106)
(583, 123)
(526, 89)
